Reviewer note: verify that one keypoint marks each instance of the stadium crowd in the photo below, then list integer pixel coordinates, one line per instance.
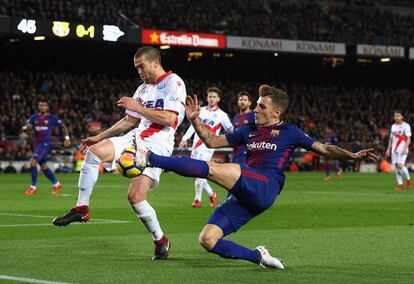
(376, 22)
(359, 115)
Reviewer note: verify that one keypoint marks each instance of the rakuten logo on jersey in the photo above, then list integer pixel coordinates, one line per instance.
(261, 146)
(41, 128)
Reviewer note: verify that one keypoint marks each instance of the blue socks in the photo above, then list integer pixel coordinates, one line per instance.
(49, 174)
(229, 249)
(33, 173)
(184, 166)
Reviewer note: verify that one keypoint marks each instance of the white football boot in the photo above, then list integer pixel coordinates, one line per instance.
(267, 260)
(142, 153)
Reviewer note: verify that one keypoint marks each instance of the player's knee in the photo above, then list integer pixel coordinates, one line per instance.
(207, 241)
(33, 163)
(213, 168)
(43, 167)
(135, 197)
(95, 151)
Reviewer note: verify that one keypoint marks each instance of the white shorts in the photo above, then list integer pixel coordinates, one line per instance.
(202, 154)
(121, 142)
(398, 158)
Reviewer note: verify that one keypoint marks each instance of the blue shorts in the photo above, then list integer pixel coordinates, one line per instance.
(254, 192)
(40, 154)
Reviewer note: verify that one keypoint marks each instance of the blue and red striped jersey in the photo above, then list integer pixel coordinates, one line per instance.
(269, 148)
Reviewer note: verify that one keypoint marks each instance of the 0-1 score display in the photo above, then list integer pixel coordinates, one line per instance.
(74, 30)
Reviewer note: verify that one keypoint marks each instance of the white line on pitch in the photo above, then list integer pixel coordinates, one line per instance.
(345, 192)
(51, 217)
(37, 225)
(29, 280)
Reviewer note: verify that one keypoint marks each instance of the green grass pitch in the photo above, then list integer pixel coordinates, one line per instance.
(358, 230)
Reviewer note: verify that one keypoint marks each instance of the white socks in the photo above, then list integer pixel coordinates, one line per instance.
(88, 177)
(200, 184)
(148, 217)
(406, 172)
(198, 188)
(208, 188)
(398, 175)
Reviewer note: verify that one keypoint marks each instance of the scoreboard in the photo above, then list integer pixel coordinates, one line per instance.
(59, 29)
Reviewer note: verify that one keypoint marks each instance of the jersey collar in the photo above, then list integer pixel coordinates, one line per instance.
(162, 77)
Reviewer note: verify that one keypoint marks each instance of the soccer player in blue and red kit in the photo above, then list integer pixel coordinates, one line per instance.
(245, 116)
(42, 123)
(254, 185)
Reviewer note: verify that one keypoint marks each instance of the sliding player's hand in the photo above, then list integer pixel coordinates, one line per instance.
(366, 154)
(192, 109)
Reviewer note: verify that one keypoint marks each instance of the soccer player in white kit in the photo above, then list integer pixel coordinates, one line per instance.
(400, 138)
(158, 110)
(213, 119)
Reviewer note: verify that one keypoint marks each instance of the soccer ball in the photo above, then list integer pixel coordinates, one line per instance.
(127, 163)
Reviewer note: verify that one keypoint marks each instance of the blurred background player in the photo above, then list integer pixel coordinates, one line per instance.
(213, 119)
(158, 110)
(331, 139)
(243, 117)
(398, 146)
(43, 123)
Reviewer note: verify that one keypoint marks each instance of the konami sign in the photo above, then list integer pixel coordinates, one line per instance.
(160, 37)
(380, 50)
(273, 44)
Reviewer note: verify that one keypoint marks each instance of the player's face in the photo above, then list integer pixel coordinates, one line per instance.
(398, 118)
(43, 107)
(146, 69)
(265, 113)
(244, 103)
(212, 99)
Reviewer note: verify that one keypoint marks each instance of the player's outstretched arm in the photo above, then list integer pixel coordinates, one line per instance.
(211, 140)
(121, 126)
(337, 153)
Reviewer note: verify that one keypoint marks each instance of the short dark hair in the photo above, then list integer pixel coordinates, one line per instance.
(244, 93)
(279, 97)
(398, 111)
(151, 53)
(215, 90)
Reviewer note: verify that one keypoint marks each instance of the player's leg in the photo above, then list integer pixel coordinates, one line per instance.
(103, 151)
(398, 171)
(198, 183)
(338, 169)
(49, 174)
(198, 188)
(202, 184)
(33, 173)
(228, 218)
(404, 169)
(137, 195)
(327, 170)
(225, 174)
(38, 156)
